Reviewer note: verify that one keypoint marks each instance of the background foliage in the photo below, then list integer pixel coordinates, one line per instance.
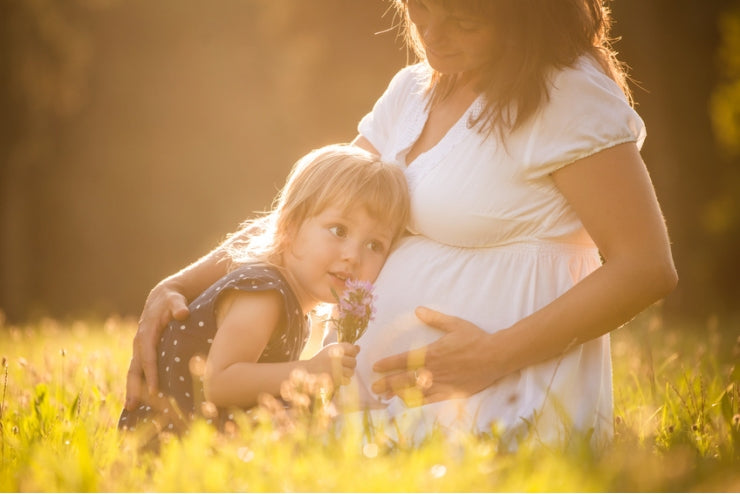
(135, 134)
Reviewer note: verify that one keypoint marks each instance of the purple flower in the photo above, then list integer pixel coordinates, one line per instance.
(355, 309)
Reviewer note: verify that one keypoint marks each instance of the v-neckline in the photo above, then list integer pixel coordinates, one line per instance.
(446, 138)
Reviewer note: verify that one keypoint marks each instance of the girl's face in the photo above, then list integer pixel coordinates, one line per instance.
(332, 247)
(454, 41)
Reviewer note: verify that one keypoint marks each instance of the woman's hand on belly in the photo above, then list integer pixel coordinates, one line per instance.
(460, 363)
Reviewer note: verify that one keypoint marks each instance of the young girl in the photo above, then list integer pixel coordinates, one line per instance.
(336, 219)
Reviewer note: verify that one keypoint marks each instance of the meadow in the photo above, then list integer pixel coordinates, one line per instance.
(677, 427)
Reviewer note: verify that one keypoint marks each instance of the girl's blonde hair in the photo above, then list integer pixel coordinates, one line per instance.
(532, 37)
(337, 175)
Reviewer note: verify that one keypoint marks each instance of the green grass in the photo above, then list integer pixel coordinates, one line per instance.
(61, 389)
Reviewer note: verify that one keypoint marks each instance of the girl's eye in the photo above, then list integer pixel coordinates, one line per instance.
(376, 246)
(338, 231)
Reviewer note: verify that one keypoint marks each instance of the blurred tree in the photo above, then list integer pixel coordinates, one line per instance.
(721, 215)
(136, 134)
(671, 47)
(725, 106)
(43, 75)
(142, 132)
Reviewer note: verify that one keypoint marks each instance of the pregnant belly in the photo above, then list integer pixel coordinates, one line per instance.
(491, 287)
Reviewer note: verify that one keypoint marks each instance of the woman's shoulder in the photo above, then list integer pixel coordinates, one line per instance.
(584, 92)
(413, 78)
(419, 70)
(404, 99)
(585, 74)
(586, 112)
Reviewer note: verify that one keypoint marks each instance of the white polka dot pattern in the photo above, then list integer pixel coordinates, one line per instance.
(184, 340)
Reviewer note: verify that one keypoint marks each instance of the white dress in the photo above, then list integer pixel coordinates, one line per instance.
(493, 241)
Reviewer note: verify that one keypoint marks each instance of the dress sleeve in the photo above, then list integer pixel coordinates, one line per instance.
(586, 113)
(246, 278)
(377, 126)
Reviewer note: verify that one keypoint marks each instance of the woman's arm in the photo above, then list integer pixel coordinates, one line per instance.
(234, 378)
(612, 194)
(168, 300)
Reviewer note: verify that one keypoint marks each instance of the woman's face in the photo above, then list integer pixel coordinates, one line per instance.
(454, 41)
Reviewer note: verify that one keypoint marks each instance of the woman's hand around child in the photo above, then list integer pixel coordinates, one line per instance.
(163, 304)
(338, 360)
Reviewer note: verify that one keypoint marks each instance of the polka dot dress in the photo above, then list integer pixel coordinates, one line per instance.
(185, 344)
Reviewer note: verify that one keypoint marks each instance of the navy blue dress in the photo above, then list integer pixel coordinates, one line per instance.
(184, 342)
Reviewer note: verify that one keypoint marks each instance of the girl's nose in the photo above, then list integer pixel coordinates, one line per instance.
(351, 251)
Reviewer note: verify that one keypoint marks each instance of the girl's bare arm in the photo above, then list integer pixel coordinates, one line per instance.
(234, 377)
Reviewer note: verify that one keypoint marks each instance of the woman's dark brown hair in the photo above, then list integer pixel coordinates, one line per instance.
(532, 37)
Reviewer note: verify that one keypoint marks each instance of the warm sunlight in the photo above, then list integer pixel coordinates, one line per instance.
(375, 245)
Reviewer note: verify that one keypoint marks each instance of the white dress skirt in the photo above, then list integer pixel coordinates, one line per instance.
(493, 240)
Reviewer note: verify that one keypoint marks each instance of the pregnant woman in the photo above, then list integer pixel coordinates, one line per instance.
(534, 228)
